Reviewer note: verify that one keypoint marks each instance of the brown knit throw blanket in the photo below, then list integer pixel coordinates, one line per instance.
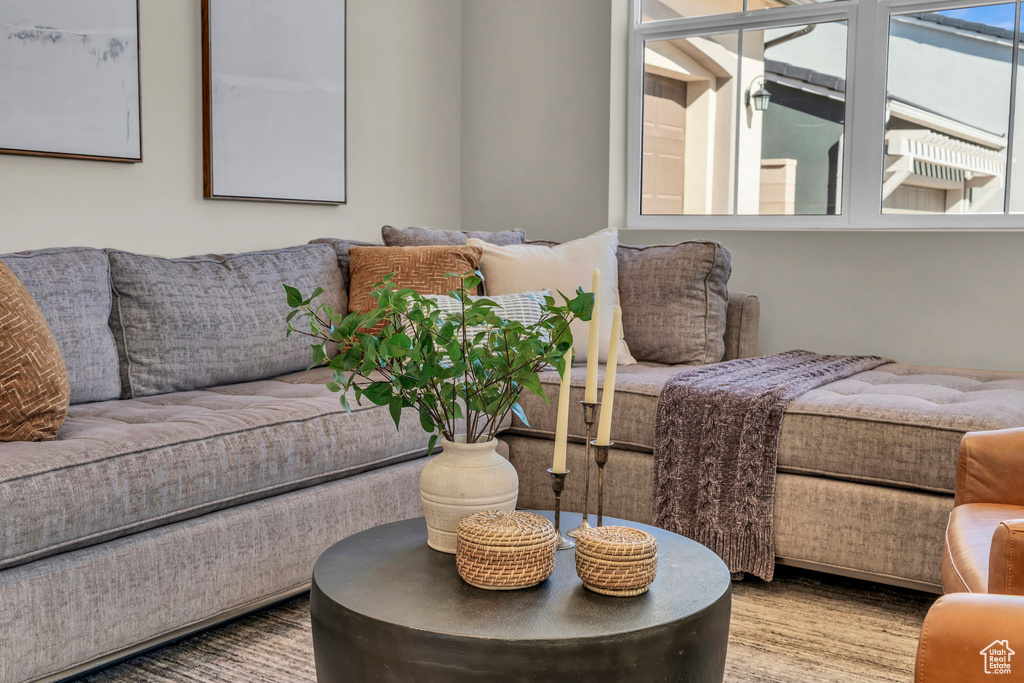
(716, 442)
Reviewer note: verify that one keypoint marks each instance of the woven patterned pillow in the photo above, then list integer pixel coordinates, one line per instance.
(419, 268)
(523, 307)
(34, 386)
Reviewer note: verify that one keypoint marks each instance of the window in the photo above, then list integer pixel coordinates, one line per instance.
(835, 114)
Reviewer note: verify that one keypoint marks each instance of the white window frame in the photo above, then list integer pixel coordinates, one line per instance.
(868, 35)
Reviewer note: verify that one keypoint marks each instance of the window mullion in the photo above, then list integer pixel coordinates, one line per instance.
(865, 112)
(736, 126)
(1008, 173)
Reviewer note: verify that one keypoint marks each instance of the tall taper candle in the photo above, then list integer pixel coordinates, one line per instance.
(590, 394)
(604, 424)
(562, 426)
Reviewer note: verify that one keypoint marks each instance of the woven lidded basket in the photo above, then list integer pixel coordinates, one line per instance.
(616, 560)
(505, 549)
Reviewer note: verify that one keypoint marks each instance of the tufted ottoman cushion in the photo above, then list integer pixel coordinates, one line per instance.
(121, 467)
(897, 425)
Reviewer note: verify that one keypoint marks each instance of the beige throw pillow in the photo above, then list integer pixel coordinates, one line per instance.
(564, 267)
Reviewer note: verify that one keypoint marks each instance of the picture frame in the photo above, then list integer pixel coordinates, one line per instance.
(69, 79)
(274, 107)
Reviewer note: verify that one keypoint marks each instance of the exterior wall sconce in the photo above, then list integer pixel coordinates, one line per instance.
(760, 97)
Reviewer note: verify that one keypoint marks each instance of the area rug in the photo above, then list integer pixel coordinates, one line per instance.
(803, 626)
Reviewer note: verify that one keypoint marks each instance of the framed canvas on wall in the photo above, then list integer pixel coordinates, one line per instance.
(274, 100)
(69, 79)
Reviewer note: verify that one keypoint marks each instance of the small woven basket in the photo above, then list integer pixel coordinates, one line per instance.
(505, 550)
(616, 560)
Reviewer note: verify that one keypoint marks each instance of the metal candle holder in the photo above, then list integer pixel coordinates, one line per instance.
(589, 417)
(601, 458)
(558, 485)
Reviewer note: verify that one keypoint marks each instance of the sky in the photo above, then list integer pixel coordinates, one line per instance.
(1000, 16)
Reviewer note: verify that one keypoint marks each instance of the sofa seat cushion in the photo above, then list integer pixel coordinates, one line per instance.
(637, 388)
(119, 467)
(896, 425)
(968, 543)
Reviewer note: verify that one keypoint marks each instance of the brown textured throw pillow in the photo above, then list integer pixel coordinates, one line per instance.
(420, 268)
(34, 386)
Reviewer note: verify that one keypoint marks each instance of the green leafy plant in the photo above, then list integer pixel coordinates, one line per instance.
(406, 353)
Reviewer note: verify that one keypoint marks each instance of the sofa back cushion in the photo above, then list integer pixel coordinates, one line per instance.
(71, 286)
(341, 248)
(674, 300)
(424, 237)
(193, 322)
(33, 379)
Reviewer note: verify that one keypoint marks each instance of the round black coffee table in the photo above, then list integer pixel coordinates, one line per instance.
(386, 607)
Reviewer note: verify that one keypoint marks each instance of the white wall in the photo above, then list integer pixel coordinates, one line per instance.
(954, 299)
(404, 137)
(493, 114)
(535, 115)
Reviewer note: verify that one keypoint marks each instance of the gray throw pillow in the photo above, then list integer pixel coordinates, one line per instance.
(71, 286)
(674, 300)
(188, 323)
(422, 237)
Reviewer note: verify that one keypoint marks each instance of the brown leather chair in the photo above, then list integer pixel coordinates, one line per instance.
(977, 629)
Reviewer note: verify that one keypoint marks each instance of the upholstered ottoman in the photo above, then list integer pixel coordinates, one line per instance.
(866, 465)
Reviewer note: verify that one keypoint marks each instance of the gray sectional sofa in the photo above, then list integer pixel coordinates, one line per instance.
(865, 471)
(201, 471)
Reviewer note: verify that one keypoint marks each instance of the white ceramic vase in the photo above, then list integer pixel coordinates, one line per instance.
(464, 478)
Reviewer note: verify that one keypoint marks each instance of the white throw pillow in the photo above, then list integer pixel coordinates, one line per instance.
(521, 307)
(564, 267)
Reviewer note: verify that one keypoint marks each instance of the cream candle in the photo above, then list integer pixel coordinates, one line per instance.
(590, 393)
(604, 425)
(562, 425)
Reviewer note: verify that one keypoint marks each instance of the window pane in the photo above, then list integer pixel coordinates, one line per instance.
(947, 110)
(791, 151)
(655, 10)
(689, 118)
(772, 4)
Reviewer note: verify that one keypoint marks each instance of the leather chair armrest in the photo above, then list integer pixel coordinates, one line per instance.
(990, 468)
(966, 632)
(742, 318)
(1006, 561)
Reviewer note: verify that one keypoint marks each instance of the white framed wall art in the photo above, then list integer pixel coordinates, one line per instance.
(69, 79)
(274, 100)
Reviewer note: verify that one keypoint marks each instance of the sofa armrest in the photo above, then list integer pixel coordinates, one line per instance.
(1006, 560)
(957, 631)
(741, 322)
(990, 468)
